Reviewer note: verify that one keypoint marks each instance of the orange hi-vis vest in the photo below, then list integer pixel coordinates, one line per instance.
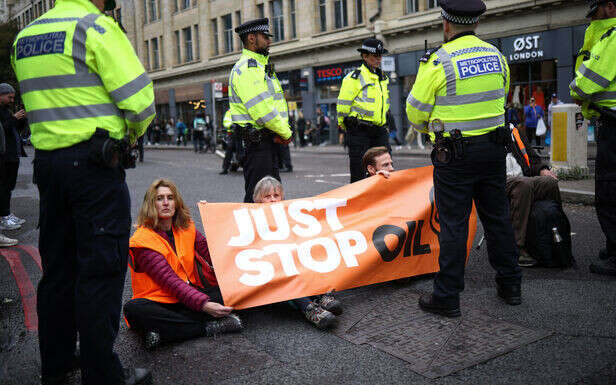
(184, 263)
(518, 140)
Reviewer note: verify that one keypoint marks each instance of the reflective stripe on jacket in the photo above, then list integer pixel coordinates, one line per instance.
(256, 97)
(595, 71)
(364, 95)
(78, 71)
(464, 84)
(183, 261)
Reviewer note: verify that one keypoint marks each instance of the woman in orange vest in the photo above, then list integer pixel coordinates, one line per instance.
(175, 292)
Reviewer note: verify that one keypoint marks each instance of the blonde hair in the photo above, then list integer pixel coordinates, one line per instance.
(265, 185)
(148, 215)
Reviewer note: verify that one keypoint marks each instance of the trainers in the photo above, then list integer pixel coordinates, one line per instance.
(320, 317)
(6, 241)
(329, 303)
(151, 340)
(16, 219)
(604, 267)
(525, 260)
(229, 324)
(7, 223)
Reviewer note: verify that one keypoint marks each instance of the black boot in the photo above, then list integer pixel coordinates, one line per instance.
(428, 303)
(605, 267)
(512, 294)
(223, 172)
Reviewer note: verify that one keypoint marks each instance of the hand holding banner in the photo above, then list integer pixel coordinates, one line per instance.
(371, 231)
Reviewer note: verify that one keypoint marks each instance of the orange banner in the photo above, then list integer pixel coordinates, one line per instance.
(371, 231)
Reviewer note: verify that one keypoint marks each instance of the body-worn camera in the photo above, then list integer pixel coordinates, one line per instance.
(110, 152)
(442, 150)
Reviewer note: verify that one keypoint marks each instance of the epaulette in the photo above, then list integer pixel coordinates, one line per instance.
(355, 74)
(252, 63)
(608, 33)
(426, 56)
(585, 54)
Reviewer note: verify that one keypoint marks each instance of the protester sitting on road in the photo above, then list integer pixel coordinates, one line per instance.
(175, 291)
(377, 160)
(321, 310)
(529, 179)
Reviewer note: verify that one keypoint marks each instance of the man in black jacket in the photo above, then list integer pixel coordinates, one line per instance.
(12, 123)
(529, 179)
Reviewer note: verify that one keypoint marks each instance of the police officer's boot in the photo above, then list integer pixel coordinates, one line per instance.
(604, 267)
(512, 294)
(429, 303)
(137, 376)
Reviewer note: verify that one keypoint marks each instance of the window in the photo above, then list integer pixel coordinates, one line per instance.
(359, 11)
(323, 15)
(146, 56)
(162, 52)
(152, 10)
(197, 42)
(175, 6)
(155, 52)
(228, 32)
(178, 49)
(260, 11)
(188, 45)
(238, 21)
(292, 19)
(214, 24)
(411, 6)
(277, 19)
(432, 4)
(340, 13)
(145, 11)
(185, 4)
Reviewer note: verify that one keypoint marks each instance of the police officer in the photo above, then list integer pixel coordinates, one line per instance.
(460, 93)
(363, 104)
(227, 124)
(594, 87)
(258, 107)
(85, 91)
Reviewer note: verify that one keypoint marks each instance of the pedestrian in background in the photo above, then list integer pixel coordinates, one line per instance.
(169, 132)
(512, 116)
(181, 131)
(301, 129)
(198, 132)
(13, 123)
(532, 113)
(4, 240)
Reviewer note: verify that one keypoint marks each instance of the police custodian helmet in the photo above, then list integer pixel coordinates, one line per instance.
(373, 46)
(462, 11)
(254, 26)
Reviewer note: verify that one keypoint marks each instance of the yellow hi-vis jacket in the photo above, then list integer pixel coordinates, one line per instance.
(227, 122)
(464, 83)
(256, 97)
(363, 95)
(78, 71)
(595, 67)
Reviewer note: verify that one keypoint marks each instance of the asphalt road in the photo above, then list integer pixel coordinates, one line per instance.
(577, 309)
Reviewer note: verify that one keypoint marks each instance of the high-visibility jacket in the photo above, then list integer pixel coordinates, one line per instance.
(464, 84)
(227, 122)
(183, 262)
(78, 71)
(595, 71)
(364, 95)
(256, 96)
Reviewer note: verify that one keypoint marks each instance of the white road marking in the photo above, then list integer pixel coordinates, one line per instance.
(329, 182)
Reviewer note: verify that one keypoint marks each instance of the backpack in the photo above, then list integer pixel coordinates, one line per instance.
(540, 244)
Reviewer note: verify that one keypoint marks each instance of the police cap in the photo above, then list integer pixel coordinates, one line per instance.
(593, 6)
(462, 11)
(254, 26)
(372, 45)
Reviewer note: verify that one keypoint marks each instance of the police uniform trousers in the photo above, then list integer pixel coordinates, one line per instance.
(359, 142)
(605, 180)
(84, 230)
(8, 180)
(478, 177)
(261, 160)
(172, 321)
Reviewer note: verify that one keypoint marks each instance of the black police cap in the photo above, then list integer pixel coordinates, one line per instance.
(462, 11)
(593, 6)
(372, 45)
(254, 26)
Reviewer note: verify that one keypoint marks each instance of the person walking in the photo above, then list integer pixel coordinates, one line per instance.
(198, 132)
(594, 87)
(180, 127)
(301, 129)
(258, 107)
(81, 114)
(363, 104)
(460, 93)
(12, 123)
(532, 113)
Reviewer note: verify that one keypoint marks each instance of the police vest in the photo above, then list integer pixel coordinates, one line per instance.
(183, 261)
(78, 71)
(363, 95)
(256, 96)
(463, 84)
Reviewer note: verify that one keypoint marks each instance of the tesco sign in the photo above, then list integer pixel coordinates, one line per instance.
(333, 74)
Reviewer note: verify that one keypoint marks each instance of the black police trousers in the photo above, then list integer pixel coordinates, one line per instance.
(172, 321)
(605, 180)
(480, 177)
(359, 142)
(84, 231)
(261, 160)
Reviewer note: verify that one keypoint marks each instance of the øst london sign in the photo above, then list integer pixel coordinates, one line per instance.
(526, 47)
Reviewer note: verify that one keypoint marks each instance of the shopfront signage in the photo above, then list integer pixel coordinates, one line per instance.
(526, 48)
(334, 73)
(388, 64)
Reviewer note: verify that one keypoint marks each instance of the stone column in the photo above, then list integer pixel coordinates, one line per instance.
(168, 36)
(172, 109)
(329, 7)
(286, 17)
(351, 12)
